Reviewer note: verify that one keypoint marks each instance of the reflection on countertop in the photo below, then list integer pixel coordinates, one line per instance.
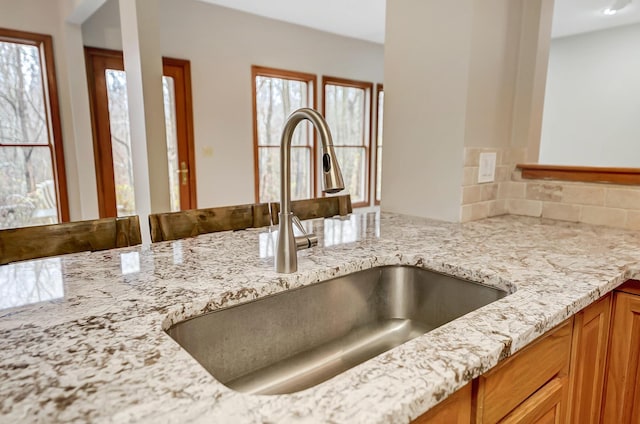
(130, 262)
(27, 282)
(330, 231)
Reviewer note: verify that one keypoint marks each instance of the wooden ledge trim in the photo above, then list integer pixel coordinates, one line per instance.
(590, 174)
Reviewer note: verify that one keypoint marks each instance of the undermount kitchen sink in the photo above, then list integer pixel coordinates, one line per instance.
(299, 338)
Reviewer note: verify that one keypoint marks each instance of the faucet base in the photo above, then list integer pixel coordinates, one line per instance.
(286, 249)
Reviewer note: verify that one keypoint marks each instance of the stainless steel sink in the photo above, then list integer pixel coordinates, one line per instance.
(297, 339)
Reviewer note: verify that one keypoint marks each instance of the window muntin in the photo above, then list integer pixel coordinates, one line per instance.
(347, 109)
(277, 93)
(32, 180)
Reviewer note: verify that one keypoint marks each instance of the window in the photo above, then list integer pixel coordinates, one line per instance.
(32, 178)
(347, 109)
(277, 93)
(379, 116)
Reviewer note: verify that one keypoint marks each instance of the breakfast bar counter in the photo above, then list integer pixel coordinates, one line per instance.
(82, 336)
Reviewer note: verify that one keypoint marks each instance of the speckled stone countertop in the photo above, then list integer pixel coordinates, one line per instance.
(93, 347)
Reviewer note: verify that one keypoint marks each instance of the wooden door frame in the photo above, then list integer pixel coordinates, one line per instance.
(98, 105)
(97, 58)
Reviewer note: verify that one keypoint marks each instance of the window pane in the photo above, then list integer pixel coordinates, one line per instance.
(168, 92)
(300, 173)
(269, 172)
(23, 118)
(120, 142)
(27, 193)
(269, 167)
(276, 99)
(345, 114)
(353, 166)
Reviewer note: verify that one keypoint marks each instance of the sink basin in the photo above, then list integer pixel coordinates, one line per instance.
(299, 338)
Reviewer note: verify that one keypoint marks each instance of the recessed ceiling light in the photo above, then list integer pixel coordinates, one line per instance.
(616, 7)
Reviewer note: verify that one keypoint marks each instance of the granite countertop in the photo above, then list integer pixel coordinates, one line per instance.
(93, 347)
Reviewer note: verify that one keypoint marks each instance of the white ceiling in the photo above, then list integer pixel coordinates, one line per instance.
(577, 16)
(364, 19)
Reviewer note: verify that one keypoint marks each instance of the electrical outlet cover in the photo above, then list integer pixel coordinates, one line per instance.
(487, 169)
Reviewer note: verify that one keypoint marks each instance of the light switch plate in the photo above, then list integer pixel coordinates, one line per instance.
(487, 170)
(207, 151)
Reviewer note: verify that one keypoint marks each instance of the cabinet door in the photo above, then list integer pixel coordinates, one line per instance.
(511, 384)
(543, 407)
(589, 354)
(622, 389)
(456, 409)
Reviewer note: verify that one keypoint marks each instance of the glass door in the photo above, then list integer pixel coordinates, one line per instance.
(112, 143)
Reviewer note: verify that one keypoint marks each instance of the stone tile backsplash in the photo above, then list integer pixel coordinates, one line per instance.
(482, 200)
(600, 204)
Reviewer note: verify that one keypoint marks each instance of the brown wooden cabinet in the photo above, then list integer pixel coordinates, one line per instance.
(588, 359)
(584, 371)
(622, 389)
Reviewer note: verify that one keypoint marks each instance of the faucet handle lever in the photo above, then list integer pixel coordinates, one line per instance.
(306, 240)
(298, 224)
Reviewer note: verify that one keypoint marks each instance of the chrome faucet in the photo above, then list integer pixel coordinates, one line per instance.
(288, 245)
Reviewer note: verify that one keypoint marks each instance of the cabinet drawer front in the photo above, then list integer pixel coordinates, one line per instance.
(544, 406)
(456, 409)
(508, 385)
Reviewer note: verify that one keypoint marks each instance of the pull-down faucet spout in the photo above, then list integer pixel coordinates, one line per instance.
(286, 251)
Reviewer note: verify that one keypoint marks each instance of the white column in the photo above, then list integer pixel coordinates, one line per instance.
(139, 20)
(426, 64)
(79, 94)
(535, 42)
(74, 104)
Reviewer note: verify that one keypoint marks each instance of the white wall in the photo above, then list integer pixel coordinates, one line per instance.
(592, 103)
(493, 68)
(222, 44)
